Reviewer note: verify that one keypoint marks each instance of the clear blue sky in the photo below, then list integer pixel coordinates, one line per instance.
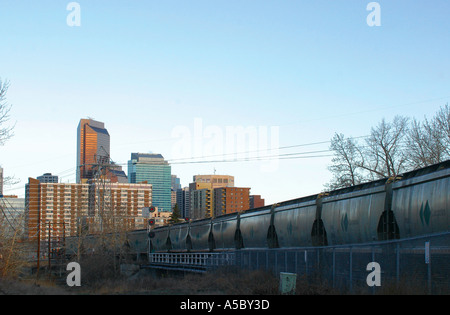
(149, 68)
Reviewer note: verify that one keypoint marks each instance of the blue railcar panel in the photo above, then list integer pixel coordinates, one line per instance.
(178, 235)
(199, 233)
(421, 204)
(293, 224)
(138, 241)
(353, 217)
(160, 240)
(254, 227)
(224, 229)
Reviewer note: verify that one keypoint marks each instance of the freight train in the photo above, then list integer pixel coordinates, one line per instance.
(415, 203)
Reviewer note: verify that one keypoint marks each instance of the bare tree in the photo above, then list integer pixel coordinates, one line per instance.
(442, 121)
(429, 141)
(10, 255)
(385, 153)
(382, 155)
(424, 146)
(391, 149)
(346, 161)
(12, 248)
(6, 132)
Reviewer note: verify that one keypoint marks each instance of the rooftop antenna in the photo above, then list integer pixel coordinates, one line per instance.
(214, 171)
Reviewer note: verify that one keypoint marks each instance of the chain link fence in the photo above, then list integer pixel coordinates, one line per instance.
(414, 265)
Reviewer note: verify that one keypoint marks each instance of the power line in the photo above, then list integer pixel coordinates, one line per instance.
(199, 160)
(173, 161)
(253, 159)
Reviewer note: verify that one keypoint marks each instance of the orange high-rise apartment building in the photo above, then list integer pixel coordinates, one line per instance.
(60, 208)
(54, 209)
(231, 199)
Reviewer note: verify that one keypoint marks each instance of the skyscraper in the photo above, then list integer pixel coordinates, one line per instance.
(176, 183)
(183, 201)
(153, 169)
(93, 146)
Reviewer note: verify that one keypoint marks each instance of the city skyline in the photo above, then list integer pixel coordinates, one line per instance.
(182, 79)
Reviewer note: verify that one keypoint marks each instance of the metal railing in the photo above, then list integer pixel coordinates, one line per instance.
(199, 262)
(412, 265)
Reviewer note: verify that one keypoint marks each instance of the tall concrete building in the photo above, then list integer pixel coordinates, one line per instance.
(60, 208)
(13, 208)
(153, 169)
(55, 208)
(231, 199)
(176, 183)
(173, 198)
(116, 175)
(47, 178)
(183, 201)
(256, 201)
(202, 194)
(202, 203)
(93, 146)
(121, 204)
(216, 181)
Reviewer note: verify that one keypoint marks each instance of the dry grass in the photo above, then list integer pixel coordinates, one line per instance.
(100, 275)
(16, 287)
(220, 282)
(215, 283)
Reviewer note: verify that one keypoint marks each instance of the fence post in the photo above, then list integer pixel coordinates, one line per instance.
(276, 262)
(257, 260)
(398, 263)
(351, 266)
(306, 262)
(285, 261)
(428, 262)
(334, 267)
(373, 260)
(267, 260)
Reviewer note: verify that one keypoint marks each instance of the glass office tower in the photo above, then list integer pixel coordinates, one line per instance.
(93, 144)
(153, 169)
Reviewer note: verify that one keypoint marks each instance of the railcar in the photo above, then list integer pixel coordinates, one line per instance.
(416, 203)
(413, 204)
